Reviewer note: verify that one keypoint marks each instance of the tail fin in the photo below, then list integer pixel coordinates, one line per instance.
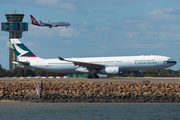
(34, 21)
(21, 50)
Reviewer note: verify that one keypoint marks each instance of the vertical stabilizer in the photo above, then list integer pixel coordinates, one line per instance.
(34, 21)
(21, 50)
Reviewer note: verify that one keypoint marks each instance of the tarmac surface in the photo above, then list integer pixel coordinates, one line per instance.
(156, 79)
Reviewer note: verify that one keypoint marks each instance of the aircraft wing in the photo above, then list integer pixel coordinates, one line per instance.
(21, 63)
(50, 25)
(47, 24)
(87, 65)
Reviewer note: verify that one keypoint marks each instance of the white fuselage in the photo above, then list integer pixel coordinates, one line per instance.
(54, 24)
(125, 63)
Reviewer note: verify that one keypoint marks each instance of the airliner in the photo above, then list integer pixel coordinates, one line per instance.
(49, 24)
(91, 65)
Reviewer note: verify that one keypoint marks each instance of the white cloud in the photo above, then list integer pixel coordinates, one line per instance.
(166, 14)
(58, 4)
(160, 24)
(159, 11)
(66, 6)
(114, 2)
(170, 27)
(51, 32)
(169, 35)
(131, 34)
(84, 24)
(40, 31)
(47, 2)
(68, 32)
(76, 4)
(158, 14)
(160, 35)
(81, 3)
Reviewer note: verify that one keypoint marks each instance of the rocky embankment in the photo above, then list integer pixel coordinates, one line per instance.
(90, 92)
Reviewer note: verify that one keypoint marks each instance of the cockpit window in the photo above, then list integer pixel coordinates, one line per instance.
(170, 59)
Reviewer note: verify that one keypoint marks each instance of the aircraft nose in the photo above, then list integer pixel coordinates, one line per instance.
(174, 62)
(171, 62)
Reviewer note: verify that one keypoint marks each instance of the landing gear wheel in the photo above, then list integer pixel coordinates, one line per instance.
(159, 73)
(89, 76)
(96, 76)
(93, 76)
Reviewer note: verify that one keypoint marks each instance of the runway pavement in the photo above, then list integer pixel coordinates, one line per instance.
(106, 80)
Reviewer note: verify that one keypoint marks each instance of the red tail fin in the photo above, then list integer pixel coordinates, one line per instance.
(34, 20)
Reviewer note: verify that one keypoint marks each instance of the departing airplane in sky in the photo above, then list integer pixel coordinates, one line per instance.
(48, 24)
(91, 65)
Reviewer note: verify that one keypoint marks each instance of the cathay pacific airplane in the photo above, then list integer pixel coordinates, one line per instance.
(91, 65)
(49, 24)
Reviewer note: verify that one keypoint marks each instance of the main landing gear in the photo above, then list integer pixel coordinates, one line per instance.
(93, 76)
(159, 73)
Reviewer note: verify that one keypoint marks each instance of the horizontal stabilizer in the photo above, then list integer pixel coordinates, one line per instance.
(21, 63)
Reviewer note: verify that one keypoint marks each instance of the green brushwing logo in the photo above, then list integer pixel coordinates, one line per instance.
(22, 51)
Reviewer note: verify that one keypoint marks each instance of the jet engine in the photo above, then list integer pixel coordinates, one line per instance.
(110, 70)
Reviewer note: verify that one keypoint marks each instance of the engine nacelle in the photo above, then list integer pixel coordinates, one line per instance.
(110, 70)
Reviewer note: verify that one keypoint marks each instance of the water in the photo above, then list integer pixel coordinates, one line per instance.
(91, 111)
